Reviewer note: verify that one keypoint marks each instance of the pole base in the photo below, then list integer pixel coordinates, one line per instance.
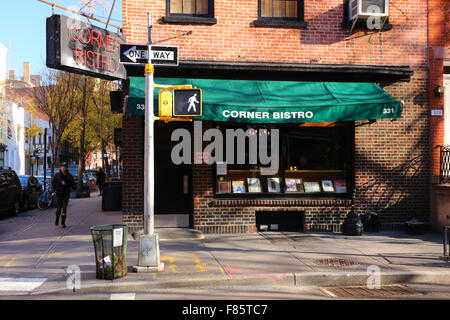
(140, 269)
(149, 253)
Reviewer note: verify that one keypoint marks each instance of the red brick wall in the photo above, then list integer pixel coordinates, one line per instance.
(439, 37)
(133, 171)
(391, 157)
(234, 39)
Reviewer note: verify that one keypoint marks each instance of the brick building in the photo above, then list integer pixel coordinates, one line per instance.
(439, 93)
(236, 45)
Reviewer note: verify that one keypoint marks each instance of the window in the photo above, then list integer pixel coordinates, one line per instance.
(19, 129)
(10, 129)
(190, 11)
(279, 8)
(314, 162)
(280, 13)
(191, 7)
(27, 135)
(2, 157)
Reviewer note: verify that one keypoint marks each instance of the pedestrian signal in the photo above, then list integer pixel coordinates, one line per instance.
(165, 104)
(187, 102)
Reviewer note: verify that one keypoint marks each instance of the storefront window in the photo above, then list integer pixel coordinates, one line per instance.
(314, 161)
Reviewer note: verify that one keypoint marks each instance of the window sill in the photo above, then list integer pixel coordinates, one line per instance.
(189, 20)
(279, 23)
(280, 202)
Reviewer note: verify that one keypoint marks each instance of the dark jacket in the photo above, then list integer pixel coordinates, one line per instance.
(100, 178)
(58, 187)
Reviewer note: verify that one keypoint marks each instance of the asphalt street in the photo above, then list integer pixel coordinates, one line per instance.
(37, 258)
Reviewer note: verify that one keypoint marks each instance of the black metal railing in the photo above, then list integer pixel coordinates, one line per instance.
(444, 172)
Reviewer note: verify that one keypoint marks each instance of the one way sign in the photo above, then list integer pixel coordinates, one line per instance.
(133, 53)
(139, 54)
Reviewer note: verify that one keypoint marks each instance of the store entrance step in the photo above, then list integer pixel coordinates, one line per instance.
(171, 220)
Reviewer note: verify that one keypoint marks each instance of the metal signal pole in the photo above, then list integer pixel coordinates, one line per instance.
(149, 259)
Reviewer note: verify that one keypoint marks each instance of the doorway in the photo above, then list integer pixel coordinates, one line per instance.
(173, 183)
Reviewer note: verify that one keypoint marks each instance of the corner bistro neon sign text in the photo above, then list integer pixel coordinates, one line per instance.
(91, 37)
(266, 115)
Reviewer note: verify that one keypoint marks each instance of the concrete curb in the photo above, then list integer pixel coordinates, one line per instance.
(302, 279)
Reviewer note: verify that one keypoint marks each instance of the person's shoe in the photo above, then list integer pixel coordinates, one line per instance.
(57, 220)
(63, 221)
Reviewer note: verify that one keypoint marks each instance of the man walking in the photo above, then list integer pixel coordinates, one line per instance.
(100, 179)
(62, 184)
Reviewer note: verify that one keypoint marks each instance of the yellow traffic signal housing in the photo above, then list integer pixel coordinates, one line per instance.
(165, 104)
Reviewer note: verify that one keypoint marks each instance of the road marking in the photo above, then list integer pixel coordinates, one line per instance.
(198, 263)
(171, 260)
(10, 262)
(20, 284)
(172, 267)
(122, 296)
(223, 273)
(164, 258)
(56, 254)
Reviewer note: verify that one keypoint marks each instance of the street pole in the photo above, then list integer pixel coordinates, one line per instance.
(149, 166)
(45, 157)
(148, 258)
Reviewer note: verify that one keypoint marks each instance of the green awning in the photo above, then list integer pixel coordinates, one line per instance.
(278, 101)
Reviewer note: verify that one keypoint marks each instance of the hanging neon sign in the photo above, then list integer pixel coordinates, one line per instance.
(78, 47)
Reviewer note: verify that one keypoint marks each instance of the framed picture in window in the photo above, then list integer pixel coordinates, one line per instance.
(254, 185)
(300, 187)
(312, 186)
(238, 186)
(291, 185)
(223, 186)
(273, 184)
(340, 186)
(327, 186)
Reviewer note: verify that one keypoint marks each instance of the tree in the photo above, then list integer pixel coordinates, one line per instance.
(105, 121)
(58, 98)
(93, 126)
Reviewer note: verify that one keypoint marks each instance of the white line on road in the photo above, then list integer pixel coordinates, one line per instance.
(122, 296)
(20, 284)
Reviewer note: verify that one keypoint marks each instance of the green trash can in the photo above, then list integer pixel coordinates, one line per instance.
(110, 245)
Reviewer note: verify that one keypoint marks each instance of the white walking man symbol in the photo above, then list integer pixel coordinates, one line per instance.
(192, 101)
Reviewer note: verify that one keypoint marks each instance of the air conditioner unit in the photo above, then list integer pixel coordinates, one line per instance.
(363, 9)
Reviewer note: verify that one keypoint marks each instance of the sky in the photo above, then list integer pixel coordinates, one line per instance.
(22, 28)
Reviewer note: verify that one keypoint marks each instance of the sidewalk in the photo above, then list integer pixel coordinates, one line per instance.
(34, 256)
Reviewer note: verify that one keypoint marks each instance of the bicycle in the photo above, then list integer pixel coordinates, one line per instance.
(45, 199)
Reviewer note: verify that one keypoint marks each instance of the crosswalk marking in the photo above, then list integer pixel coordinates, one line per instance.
(122, 296)
(20, 284)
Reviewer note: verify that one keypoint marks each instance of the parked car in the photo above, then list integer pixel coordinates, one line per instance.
(31, 190)
(10, 191)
